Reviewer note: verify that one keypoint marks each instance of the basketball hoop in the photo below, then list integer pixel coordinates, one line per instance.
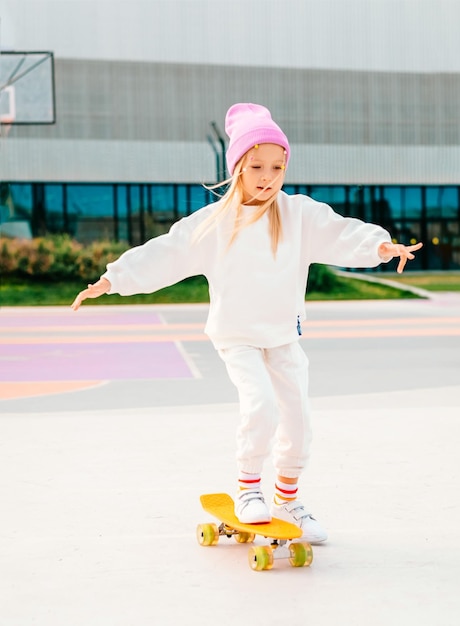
(8, 109)
(27, 88)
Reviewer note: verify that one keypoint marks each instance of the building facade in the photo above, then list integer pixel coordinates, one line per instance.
(136, 139)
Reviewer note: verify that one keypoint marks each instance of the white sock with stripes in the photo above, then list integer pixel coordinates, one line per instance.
(285, 492)
(248, 481)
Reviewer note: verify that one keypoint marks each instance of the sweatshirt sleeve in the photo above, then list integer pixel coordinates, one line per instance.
(342, 241)
(160, 262)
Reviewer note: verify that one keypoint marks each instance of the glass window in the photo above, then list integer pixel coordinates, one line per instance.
(134, 199)
(393, 198)
(6, 207)
(412, 232)
(91, 207)
(395, 206)
(136, 211)
(162, 198)
(333, 195)
(406, 202)
(412, 201)
(290, 189)
(54, 197)
(54, 204)
(191, 198)
(121, 196)
(122, 203)
(357, 202)
(90, 200)
(442, 202)
(18, 200)
(145, 198)
(381, 213)
(368, 204)
(200, 197)
(182, 203)
(296, 189)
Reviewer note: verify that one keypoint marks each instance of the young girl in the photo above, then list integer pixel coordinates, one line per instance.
(255, 246)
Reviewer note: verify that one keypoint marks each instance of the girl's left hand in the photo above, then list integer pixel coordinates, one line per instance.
(388, 251)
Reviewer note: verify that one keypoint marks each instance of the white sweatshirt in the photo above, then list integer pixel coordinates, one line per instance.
(255, 298)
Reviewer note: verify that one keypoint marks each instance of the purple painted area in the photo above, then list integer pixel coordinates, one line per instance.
(71, 318)
(91, 361)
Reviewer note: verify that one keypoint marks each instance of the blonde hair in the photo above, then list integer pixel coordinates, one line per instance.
(232, 200)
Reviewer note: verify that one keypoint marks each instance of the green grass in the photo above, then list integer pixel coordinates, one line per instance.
(14, 292)
(431, 281)
(354, 289)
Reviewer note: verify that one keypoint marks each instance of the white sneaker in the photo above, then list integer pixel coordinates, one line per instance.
(296, 513)
(250, 507)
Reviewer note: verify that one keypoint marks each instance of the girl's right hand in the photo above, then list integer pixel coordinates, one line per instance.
(93, 291)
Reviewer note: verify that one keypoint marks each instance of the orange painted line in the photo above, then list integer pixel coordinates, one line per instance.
(384, 332)
(199, 325)
(381, 322)
(11, 390)
(331, 334)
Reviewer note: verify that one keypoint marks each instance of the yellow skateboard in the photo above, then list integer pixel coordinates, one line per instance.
(260, 558)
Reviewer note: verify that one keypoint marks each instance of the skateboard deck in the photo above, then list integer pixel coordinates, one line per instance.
(221, 506)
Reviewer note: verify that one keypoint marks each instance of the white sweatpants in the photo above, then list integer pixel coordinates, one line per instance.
(272, 385)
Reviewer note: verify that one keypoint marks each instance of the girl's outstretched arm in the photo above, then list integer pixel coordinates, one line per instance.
(93, 291)
(388, 251)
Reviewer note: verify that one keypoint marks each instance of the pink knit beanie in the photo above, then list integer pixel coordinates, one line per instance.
(247, 125)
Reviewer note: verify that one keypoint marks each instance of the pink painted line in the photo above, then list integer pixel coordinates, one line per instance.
(132, 318)
(101, 328)
(91, 361)
(101, 338)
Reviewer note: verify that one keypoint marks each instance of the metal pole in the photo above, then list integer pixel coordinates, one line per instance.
(211, 143)
(221, 141)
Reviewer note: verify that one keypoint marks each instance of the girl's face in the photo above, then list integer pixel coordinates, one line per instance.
(263, 173)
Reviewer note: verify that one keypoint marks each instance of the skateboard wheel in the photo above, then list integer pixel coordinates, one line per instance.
(207, 534)
(244, 537)
(301, 554)
(260, 558)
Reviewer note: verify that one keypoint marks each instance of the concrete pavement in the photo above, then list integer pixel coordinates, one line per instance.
(115, 419)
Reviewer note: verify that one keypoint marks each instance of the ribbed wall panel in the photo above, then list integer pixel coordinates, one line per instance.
(119, 120)
(192, 162)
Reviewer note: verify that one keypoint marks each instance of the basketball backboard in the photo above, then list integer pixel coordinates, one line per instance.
(27, 93)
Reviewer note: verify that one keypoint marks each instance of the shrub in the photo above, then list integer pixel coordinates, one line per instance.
(56, 258)
(321, 279)
(8, 257)
(93, 259)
